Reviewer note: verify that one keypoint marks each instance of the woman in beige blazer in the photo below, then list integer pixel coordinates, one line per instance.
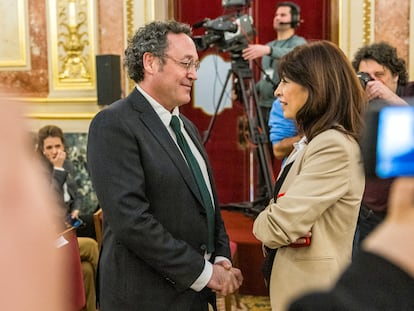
(320, 197)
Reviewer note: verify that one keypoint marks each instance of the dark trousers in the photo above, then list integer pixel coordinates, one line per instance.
(368, 220)
(203, 299)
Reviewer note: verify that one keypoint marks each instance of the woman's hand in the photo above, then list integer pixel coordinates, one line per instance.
(59, 159)
(302, 241)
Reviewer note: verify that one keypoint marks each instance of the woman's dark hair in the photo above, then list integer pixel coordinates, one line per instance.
(48, 131)
(151, 38)
(336, 99)
(386, 55)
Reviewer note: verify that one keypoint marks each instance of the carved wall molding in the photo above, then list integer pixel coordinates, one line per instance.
(355, 25)
(367, 21)
(72, 41)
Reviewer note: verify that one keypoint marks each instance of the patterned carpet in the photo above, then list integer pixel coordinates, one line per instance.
(247, 303)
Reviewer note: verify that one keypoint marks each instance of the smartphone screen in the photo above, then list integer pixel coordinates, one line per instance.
(74, 222)
(395, 142)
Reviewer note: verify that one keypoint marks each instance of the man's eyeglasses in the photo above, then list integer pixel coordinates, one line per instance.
(187, 64)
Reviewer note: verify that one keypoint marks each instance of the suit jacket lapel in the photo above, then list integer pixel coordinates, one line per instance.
(150, 118)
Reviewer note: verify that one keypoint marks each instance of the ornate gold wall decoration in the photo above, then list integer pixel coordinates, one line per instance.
(130, 32)
(72, 44)
(74, 41)
(130, 17)
(367, 22)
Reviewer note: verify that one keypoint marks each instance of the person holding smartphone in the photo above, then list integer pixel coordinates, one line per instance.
(51, 147)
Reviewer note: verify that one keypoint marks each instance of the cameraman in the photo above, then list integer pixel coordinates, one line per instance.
(388, 85)
(286, 19)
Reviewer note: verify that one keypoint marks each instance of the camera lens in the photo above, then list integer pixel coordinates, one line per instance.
(364, 78)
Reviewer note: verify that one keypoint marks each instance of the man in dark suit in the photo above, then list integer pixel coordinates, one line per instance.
(155, 253)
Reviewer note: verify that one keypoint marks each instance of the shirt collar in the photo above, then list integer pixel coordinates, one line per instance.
(298, 146)
(163, 113)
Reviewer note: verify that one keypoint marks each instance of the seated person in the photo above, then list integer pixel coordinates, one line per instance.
(51, 147)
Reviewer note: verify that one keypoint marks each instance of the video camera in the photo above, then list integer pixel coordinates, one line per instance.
(230, 33)
(388, 142)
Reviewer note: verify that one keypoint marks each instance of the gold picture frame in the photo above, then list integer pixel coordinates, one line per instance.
(14, 51)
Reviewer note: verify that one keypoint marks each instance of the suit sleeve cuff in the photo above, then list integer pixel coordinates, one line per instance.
(204, 277)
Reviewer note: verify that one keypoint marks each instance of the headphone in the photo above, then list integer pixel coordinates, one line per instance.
(294, 12)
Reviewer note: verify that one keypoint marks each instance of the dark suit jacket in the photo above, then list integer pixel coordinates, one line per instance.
(59, 178)
(155, 226)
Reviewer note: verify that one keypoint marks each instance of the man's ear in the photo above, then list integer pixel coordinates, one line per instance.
(150, 62)
(396, 77)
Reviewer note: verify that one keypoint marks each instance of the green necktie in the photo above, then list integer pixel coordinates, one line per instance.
(198, 176)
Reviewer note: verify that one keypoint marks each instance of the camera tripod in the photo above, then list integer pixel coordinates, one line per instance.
(257, 130)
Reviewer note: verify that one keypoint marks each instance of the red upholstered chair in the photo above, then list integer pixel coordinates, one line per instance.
(76, 292)
(228, 299)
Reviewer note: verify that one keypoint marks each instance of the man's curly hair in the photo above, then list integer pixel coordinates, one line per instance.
(151, 38)
(386, 55)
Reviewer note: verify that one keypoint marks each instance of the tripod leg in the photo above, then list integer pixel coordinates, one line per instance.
(257, 127)
(213, 119)
(265, 159)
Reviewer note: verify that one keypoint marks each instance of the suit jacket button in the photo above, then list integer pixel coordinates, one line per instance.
(203, 247)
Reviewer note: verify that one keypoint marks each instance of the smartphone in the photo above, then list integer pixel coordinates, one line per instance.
(74, 222)
(388, 145)
(395, 142)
